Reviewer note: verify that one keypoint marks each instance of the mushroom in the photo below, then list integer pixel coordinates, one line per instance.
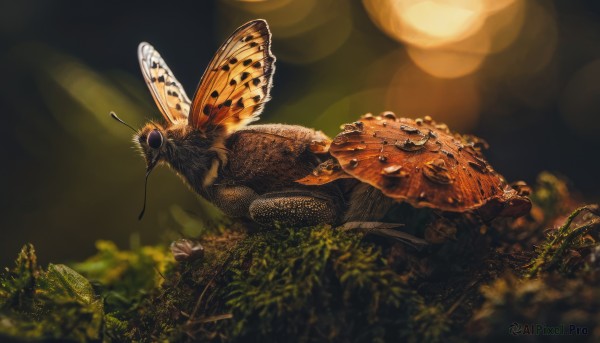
(420, 162)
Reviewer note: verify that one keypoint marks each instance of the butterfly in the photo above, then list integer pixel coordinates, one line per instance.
(231, 94)
(233, 89)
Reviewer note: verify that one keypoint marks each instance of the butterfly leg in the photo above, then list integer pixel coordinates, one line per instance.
(293, 209)
(233, 200)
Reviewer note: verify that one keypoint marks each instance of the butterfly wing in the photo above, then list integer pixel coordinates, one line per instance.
(237, 82)
(164, 87)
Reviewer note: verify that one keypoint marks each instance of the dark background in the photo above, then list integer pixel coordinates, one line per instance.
(526, 78)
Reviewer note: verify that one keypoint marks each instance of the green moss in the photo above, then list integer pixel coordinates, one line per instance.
(559, 243)
(61, 304)
(551, 301)
(57, 303)
(310, 284)
(124, 279)
(551, 193)
(123, 273)
(354, 295)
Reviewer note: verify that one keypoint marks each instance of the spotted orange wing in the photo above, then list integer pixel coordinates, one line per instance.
(237, 82)
(167, 92)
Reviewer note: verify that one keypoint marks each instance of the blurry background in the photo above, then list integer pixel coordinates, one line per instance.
(523, 74)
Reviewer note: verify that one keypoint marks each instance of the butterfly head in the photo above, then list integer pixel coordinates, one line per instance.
(193, 153)
(152, 142)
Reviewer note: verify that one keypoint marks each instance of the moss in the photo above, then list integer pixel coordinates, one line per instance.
(323, 284)
(357, 297)
(311, 284)
(552, 301)
(124, 279)
(57, 303)
(60, 303)
(126, 274)
(569, 240)
(552, 194)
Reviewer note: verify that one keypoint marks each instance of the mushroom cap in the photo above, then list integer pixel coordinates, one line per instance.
(420, 162)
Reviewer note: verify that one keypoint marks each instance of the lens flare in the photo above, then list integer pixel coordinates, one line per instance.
(449, 38)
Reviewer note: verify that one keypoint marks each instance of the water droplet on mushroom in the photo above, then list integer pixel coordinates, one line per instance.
(388, 115)
(410, 129)
(479, 164)
(409, 145)
(384, 123)
(422, 196)
(447, 153)
(419, 121)
(353, 128)
(476, 142)
(437, 172)
(383, 158)
(427, 120)
(368, 116)
(353, 163)
(394, 171)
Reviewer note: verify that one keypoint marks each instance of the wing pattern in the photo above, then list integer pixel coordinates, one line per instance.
(164, 87)
(237, 82)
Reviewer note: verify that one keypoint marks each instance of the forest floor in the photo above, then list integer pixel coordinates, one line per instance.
(532, 278)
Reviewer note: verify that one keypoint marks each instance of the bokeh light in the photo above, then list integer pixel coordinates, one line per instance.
(449, 38)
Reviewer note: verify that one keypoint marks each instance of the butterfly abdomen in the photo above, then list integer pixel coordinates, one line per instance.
(272, 156)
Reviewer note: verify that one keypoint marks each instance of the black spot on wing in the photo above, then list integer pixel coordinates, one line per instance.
(240, 103)
(207, 109)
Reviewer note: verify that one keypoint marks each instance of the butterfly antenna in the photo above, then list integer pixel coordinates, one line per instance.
(115, 117)
(145, 195)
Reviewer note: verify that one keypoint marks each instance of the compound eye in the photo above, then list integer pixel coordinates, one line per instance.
(155, 139)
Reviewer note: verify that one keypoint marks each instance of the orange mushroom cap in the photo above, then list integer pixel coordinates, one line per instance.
(420, 162)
